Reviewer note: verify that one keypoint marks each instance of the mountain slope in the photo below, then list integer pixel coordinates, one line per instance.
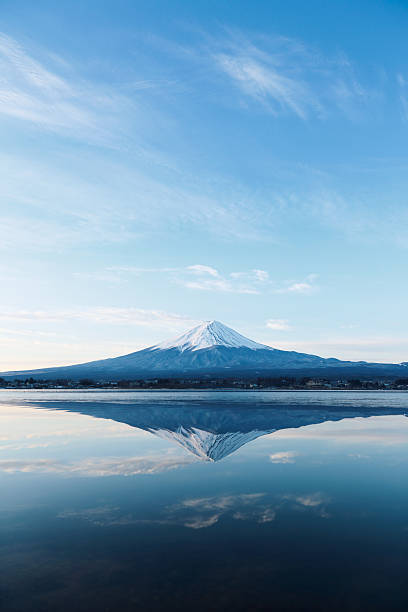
(209, 348)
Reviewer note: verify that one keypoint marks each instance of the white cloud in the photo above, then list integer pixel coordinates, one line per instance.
(301, 287)
(222, 285)
(236, 282)
(200, 269)
(278, 324)
(261, 275)
(253, 282)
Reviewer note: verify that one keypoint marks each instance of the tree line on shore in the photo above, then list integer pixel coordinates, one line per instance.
(263, 382)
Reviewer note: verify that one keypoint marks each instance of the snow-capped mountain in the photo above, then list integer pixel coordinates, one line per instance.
(209, 348)
(207, 335)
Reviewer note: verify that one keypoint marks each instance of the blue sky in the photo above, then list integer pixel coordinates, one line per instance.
(168, 162)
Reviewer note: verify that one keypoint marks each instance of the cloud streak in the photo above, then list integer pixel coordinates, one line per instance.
(132, 316)
(31, 92)
(285, 77)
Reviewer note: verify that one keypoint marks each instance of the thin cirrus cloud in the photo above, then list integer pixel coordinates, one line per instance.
(266, 85)
(56, 207)
(285, 76)
(31, 92)
(133, 316)
(308, 285)
(73, 107)
(53, 203)
(403, 95)
(374, 349)
(201, 269)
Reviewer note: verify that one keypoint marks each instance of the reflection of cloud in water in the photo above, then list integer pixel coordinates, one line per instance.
(283, 457)
(379, 429)
(309, 501)
(14, 447)
(102, 516)
(205, 512)
(96, 466)
(201, 512)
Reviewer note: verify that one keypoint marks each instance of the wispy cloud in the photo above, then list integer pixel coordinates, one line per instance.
(133, 316)
(204, 277)
(55, 205)
(200, 269)
(391, 349)
(403, 95)
(265, 84)
(285, 76)
(278, 324)
(306, 286)
(32, 92)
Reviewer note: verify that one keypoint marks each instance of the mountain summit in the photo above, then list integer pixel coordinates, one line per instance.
(213, 349)
(207, 335)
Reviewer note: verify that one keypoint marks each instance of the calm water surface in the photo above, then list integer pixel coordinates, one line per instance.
(216, 500)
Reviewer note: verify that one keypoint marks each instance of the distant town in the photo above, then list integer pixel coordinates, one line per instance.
(260, 383)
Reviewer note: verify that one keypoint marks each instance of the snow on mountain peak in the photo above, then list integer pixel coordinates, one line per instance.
(208, 334)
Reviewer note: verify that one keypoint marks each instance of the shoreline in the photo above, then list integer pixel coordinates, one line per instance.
(205, 390)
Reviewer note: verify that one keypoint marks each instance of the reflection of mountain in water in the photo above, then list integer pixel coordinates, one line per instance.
(207, 445)
(213, 430)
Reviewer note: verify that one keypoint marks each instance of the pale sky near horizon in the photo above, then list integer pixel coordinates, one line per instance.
(168, 162)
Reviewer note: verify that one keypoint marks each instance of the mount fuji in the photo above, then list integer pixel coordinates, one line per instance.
(211, 348)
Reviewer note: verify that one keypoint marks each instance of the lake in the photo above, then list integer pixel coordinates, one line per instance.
(203, 500)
